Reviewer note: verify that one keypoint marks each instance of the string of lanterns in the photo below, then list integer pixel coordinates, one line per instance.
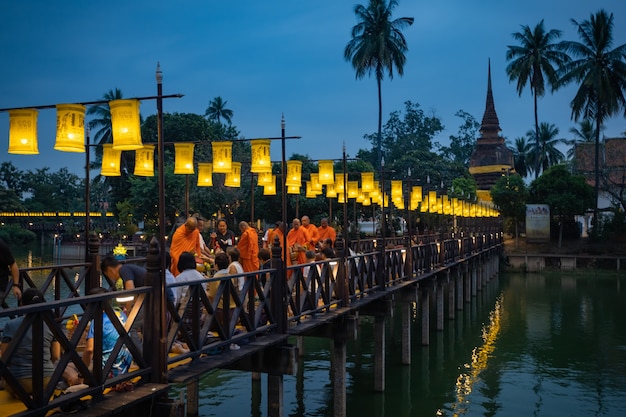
(126, 132)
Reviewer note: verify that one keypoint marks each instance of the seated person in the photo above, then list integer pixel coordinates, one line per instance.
(21, 364)
(109, 338)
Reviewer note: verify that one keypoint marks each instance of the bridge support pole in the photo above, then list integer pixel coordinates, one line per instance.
(467, 284)
(458, 279)
(474, 274)
(451, 288)
(379, 353)
(275, 395)
(193, 398)
(407, 299)
(425, 304)
(439, 303)
(339, 376)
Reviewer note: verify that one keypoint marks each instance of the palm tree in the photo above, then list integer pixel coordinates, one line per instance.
(520, 150)
(584, 133)
(548, 154)
(601, 73)
(102, 121)
(217, 110)
(536, 56)
(377, 45)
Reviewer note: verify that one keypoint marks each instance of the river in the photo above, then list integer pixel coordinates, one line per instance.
(540, 345)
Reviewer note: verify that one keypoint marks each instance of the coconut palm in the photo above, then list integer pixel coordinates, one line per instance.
(377, 45)
(102, 121)
(534, 61)
(584, 133)
(548, 154)
(601, 74)
(520, 150)
(217, 111)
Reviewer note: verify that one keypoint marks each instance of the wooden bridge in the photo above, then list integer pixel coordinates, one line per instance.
(323, 298)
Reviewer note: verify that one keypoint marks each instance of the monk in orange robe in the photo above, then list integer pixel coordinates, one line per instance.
(185, 239)
(248, 246)
(297, 240)
(326, 232)
(312, 231)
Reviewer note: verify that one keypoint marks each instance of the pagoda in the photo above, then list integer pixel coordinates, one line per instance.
(490, 158)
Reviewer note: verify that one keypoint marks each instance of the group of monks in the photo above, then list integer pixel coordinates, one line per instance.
(302, 237)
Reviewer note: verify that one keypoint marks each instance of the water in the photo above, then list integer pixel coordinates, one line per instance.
(540, 345)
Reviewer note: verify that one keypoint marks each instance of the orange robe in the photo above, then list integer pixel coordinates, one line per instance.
(312, 231)
(183, 241)
(248, 246)
(298, 237)
(325, 233)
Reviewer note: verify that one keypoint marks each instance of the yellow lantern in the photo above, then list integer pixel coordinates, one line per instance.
(70, 128)
(353, 189)
(330, 191)
(125, 125)
(396, 188)
(261, 161)
(341, 181)
(325, 171)
(416, 194)
(309, 192)
(144, 161)
(205, 174)
(233, 178)
(222, 156)
(23, 132)
(367, 201)
(183, 160)
(293, 189)
(264, 178)
(294, 174)
(110, 161)
(341, 198)
(315, 183)
(367, 182)
(270, 188)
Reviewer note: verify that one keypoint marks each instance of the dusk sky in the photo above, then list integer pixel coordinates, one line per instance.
(271, 57)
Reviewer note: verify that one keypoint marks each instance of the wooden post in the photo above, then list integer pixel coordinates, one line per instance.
(439, 304)
(406, 333)
(93, 280)
(425, 303)
(467, 284)
(342, 280)
(193, 398)
(379, 353)
(155, 328)
(275, 395)
(279, 288)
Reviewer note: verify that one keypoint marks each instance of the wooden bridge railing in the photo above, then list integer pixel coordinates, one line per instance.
(271, 301)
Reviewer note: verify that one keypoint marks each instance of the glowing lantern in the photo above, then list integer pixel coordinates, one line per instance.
(233, 178)
(396, 188)
(70, 128)
(353, 189)
(341, 198)
(309, 192)
(330, 191)
(125, 125)
(315, 183)
(367, 182)
(416, 194)
(325, 171)
(341, 181)
(222, 156)
(183, 161)
(261, 161)
(293, 189)
(144, 161)
(294, 173)
(205, 174)
(264, 178)
(110, 161)
(23, 132)
(270, 188)
(367, 201)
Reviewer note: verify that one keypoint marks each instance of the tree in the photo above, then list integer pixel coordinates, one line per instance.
(378, 45)
(584, 133)
(57, 191)
(601, 74)
(520, 151)
(548, 154)
(566, 194)
(536, 56)
(217, 110)
(509, 194)
(462, 145)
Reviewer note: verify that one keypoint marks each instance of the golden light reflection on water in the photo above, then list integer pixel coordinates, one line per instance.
(480, 356)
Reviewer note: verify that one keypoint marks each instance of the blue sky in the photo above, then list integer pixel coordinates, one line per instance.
(273, 57)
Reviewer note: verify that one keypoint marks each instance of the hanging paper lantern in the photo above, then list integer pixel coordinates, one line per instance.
(353, 189)
(144, 161)
(294, 174)
(341, 181)
(264, 178)
(125, 125)
(416, 193)
(330, 191)
(367, 201)
(70, 128)
(233, 178)
(309, 193)
(183, 160)
(222, 156)
(270, 188)
(315, 183)
(375, 192)
(367, 182)
(396, 188)
(325, 171)
(293, 189)
(205, 174)
(261, 161)
(110, 161)
(23, 132)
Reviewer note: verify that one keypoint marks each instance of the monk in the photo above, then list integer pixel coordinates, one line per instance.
(326, 232)
(185, 239)
(297, 241)
(248, 246)
(312, 230)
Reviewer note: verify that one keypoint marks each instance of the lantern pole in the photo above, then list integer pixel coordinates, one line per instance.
(87, 196)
